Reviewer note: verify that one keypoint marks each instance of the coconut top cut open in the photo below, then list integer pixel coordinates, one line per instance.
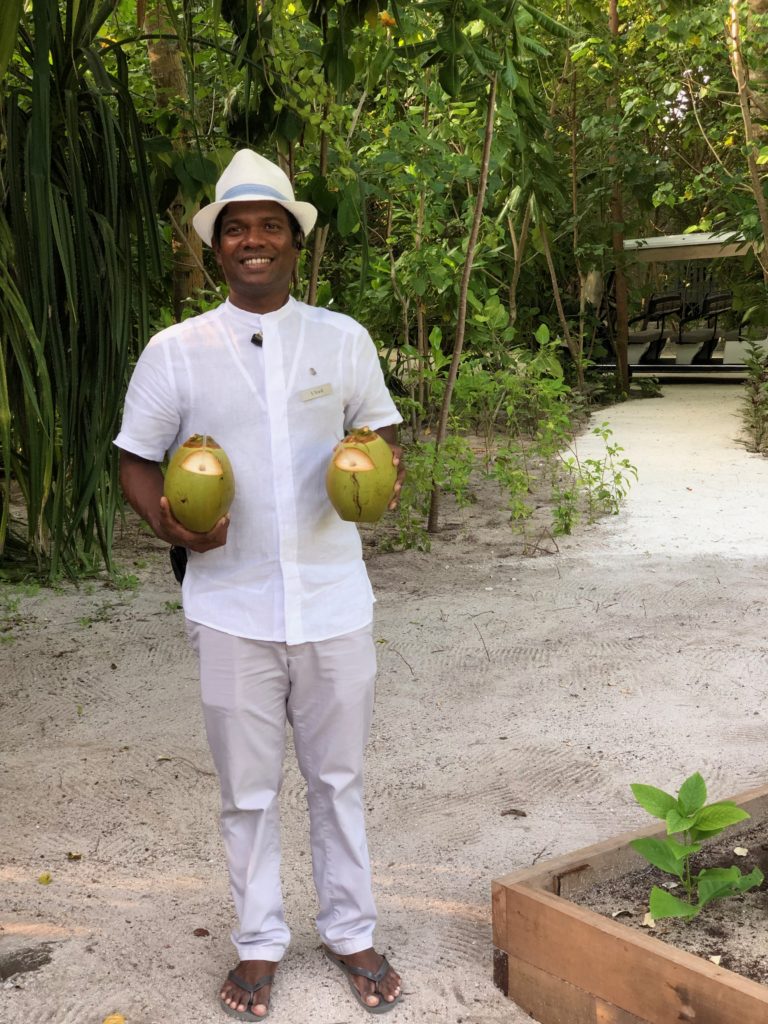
(201, 460)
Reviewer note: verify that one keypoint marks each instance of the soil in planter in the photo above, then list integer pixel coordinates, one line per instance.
(734, 929)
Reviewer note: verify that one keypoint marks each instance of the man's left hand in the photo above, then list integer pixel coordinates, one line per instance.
(397, 460)
(390, 436)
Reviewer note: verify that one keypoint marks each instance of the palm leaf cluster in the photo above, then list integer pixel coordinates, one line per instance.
(78, 248)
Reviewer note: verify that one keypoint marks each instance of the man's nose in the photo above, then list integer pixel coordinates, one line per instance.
(254, 235)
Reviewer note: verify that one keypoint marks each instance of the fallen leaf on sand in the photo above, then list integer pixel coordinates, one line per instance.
(716, 959)
(46, 878)
(201, 932)
(649, 922)
(621, 913)
(515, 812)
(114, 1018)
(74, 856)
(741, 851)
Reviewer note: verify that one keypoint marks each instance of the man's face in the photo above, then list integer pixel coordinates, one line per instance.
(256, 253)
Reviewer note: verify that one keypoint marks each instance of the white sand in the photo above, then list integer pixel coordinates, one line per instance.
(543, 684)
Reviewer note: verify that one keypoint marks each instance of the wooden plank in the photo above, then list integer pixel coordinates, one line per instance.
(501, 970)
(624, 968)
(611, 858)
(551, 1000)
(548, 998)
(498, 911)
(607, 1013)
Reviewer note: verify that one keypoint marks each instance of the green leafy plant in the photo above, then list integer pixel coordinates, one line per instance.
(754, 405)
(598, 484)
(689, 816)
(451, 464)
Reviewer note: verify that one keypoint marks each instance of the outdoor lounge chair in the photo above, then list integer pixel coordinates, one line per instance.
(647, 344)
(707, 336)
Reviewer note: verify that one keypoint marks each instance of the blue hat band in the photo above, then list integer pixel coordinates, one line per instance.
(253, 190)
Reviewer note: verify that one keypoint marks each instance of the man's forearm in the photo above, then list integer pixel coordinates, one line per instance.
(142, 484)
(388, 433)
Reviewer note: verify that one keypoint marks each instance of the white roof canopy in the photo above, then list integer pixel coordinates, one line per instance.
(702, 245)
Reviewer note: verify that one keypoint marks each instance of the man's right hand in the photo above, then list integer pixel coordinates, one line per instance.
(170, 529)
(142, 484)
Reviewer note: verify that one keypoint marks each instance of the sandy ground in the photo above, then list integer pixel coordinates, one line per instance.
(546, 684)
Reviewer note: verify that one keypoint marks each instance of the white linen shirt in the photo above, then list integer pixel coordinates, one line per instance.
(291, 569)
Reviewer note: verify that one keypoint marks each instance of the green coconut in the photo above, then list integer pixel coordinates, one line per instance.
(199, 483)
(360, 477)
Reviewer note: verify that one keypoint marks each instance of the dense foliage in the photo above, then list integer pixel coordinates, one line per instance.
(464, 157)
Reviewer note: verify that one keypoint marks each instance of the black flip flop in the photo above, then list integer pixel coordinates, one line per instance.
(360, 972)
(246, 1014)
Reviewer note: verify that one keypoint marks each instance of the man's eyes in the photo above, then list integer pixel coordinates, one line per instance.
(232, 229)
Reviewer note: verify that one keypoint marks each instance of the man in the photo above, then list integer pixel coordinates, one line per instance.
(276, 596)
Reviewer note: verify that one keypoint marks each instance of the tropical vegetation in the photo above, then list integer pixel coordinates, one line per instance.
(476, 167)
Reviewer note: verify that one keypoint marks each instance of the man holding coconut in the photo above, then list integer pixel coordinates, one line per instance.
(276, 596)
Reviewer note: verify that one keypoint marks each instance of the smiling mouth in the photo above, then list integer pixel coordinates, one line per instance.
(256, 261)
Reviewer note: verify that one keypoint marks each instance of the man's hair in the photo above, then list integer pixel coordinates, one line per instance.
(296, 232)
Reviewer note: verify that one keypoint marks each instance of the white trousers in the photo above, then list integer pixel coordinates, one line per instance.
(325, 690)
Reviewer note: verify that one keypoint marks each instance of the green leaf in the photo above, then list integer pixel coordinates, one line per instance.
(660, 854)
(339, 69)
(719, 816)
(10, 16)
(692, 795)
(449, 76)
(509, 75)
(555, 27)
(318, 193)
(714, 883)
(676, 822)
(681, 850)
(750, 881)
(289, 124)
(664, 904)
(451, 39)
(379, 65)
(348, 216)
(655, 801)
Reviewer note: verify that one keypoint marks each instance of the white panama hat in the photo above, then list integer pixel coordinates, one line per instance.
(249, 177)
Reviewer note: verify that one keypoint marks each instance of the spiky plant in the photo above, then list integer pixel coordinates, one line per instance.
(78, 250)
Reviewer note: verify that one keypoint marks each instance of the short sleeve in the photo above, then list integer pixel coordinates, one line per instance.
(371, 404)
(151, 417)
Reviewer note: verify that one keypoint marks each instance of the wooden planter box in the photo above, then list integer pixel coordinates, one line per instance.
(564, 964)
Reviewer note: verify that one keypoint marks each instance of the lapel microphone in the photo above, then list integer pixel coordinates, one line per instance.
(257, 339)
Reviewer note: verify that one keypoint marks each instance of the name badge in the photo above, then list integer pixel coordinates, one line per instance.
(311, 393)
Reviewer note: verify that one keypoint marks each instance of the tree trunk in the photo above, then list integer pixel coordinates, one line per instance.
(461, 319)
(170, 83)
(740, 74)
(321, 234)
(518, 249)
(574, 346)
(621, 336)
(759, 93)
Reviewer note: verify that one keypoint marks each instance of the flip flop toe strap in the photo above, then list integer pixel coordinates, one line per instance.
(261, 983)
(251, 989)
(361, 972)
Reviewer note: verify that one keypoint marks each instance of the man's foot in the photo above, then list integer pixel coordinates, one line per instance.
(376, 985)
(247, 990)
